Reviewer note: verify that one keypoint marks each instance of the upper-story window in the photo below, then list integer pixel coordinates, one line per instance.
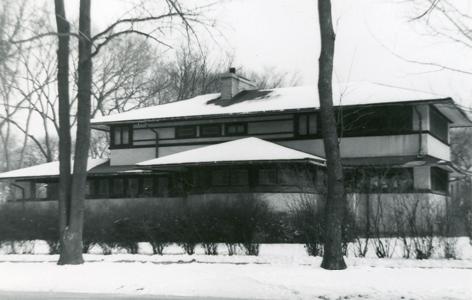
(382, 120)
(439, 125)
(307, 124)
(121, 135)
(210, 130)
(185, 132)
(236, 129)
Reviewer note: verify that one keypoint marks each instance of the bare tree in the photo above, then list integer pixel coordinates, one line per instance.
(336, 198)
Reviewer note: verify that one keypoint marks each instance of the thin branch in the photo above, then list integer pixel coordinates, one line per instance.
(39, 36)
(114, 35)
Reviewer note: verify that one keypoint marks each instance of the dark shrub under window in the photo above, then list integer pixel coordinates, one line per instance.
(235, 129)
(210, 130)
(439, 179)
(185, 132)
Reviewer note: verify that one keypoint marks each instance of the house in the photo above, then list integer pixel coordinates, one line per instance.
(266, 143)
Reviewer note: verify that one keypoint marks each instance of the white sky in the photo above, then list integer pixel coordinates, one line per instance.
(283, 34)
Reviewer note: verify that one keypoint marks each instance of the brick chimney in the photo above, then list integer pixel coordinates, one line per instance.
(232, 84)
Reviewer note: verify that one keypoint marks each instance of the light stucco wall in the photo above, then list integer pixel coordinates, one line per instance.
(436, 148)
(375, 146)
(167, 150)
(131, 156)
(422, 178)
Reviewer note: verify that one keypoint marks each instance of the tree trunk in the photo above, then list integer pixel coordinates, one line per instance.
(63, 28)
(74, 245)
(335, 205)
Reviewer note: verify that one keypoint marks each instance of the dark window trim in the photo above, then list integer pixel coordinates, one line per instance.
(210, 135)
(244, 124)
(302, 137)
(121, 145)
(178, 136)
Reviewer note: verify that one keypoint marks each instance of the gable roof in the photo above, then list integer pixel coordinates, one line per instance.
(279, 100)
(243, 150)
(50, 169)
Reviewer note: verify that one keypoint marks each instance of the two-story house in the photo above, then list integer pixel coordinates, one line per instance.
(266, 143)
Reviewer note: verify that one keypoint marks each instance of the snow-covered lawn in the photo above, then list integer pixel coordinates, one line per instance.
(280, 272)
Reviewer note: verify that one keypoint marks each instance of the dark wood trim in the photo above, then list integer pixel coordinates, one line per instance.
(293, 138)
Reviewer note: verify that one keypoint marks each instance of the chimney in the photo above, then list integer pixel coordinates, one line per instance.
(232, 84)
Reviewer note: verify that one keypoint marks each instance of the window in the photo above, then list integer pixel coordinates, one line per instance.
(210, 130)
(103, 188)
(147, 187)
(53, 191)
(267, 176)
(439, 179)
(133, 187)
(296, 176)
(379, 180)
(185, 132)
(118, 189)
(235, 129)
(162, 186)
(307, 124)
(121, 135)
(439, 125)
(389, 119)
(220, 177)
(239, 177)
(41, 190)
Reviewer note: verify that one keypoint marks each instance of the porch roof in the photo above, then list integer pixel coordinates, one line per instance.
(50, 169)
(243, 150)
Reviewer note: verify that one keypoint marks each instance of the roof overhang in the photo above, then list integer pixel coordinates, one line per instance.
(456, 115)
(45, 171)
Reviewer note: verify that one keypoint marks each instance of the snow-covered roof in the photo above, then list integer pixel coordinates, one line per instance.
(50, 169)
(271, 100)
(243, 150)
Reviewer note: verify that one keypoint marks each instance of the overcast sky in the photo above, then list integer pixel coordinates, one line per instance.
(283, 34)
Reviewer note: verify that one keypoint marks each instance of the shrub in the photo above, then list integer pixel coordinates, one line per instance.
(307, 221)
(232, 248)
(251, 248)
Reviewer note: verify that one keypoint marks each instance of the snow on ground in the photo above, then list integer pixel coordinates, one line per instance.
(279, 272)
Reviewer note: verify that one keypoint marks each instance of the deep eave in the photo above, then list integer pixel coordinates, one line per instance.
(105, 126)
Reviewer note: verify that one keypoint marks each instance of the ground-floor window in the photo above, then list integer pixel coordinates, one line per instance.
(379, 180)
(439, 180)
(240, 178)
(130, 187)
